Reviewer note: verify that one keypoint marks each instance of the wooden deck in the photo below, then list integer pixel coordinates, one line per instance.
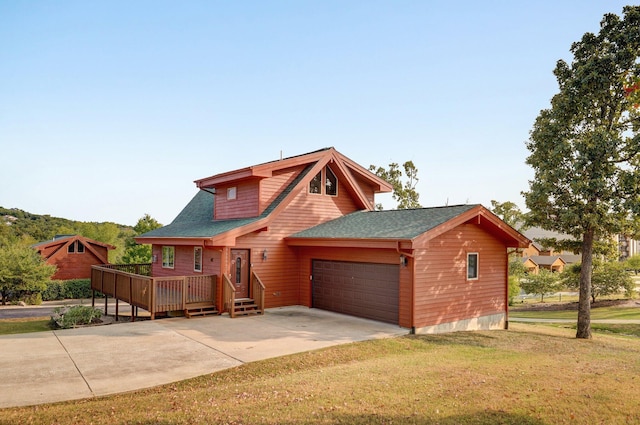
(193, 295)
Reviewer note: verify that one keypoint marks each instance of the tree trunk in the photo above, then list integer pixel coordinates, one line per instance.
(584, 303)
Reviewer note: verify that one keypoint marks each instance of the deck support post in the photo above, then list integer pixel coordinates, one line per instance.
(117, 309)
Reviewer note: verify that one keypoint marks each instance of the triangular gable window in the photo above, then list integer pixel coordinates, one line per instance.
(330, 186)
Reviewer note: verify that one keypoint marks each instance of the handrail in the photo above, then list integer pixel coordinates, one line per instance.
(154, 294)
(228, 296)
(258, 290)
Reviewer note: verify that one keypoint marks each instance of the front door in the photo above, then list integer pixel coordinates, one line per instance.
(240, 272)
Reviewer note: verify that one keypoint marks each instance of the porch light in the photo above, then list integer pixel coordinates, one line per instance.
(264, 255)
(403, 261)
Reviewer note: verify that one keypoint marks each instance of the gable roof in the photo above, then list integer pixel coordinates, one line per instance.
(392, 224)
(406, 225)
(61, 241)
(196, 220)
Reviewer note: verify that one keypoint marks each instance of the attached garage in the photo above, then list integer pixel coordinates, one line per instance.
(367, 290)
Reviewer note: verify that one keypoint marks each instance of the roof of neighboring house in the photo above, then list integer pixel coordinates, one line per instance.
(546, 260)
(393, 224)
(57, 239)
(534, 233)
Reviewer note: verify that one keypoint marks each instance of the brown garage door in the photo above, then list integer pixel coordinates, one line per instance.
(366, 290)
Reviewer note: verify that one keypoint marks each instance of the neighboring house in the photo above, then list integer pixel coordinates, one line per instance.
(307, 226)
(73, 255)
(553, 263)
(627, 247)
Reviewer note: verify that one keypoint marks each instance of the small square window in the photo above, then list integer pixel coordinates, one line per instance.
(231, 193)
(168, 257)
(472, 266)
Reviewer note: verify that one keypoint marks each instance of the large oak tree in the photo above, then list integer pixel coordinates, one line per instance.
(585, 147)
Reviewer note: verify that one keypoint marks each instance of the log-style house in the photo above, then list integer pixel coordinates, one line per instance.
(304, 231)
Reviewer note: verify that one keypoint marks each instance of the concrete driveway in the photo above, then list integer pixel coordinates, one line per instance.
(71, 364)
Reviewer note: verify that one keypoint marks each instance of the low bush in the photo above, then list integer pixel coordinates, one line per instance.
(67, 289)
(69, 317)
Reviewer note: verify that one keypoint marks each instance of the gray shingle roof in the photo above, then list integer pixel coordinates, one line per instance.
(196, 219)
(394, 224)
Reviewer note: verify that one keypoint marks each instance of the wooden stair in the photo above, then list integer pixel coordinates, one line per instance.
(200, 311)
(245, 307)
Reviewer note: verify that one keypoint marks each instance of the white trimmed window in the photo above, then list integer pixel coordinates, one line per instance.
(330, 186)
(330, 183)
(197, 259)
(231, 193)
(472, 266)
(168, 257)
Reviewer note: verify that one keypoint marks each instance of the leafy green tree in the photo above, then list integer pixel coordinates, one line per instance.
(585, 147)
(517, 271)
(509, 213)
(23, 272)
(608, 278)
(403, 192)
(135, 253)
(545, 282)
(633, 263)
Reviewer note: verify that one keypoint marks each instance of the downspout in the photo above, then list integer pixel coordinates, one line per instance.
(412, 329)
(506, 301)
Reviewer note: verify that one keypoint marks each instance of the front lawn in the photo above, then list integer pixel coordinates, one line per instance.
(530, 374)
(25, 325)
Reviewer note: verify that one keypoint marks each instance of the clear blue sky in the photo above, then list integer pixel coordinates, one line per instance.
(111, 109)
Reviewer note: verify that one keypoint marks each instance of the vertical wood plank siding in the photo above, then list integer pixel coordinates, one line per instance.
(443, 294)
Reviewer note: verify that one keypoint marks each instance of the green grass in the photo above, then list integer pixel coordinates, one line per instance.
(531, 375)
(20, 326)
(601, 313)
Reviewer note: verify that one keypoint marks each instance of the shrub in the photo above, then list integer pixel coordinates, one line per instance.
(67, 289)
(54, 291)
(70, 317)
(78, 288)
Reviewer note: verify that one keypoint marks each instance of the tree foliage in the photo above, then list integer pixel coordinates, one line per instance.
(509, 213)
(585, 147)
(135, 253)
(545, 282)
(403, 192)
(517, 271)
(633, 263)
(23, 272)
(24, 227)
(609, 278)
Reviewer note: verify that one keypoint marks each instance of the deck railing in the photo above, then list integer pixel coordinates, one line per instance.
(229, 294)
(257, 291)
(154, 294)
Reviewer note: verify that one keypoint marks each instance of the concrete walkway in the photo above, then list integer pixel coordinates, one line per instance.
(71, 364)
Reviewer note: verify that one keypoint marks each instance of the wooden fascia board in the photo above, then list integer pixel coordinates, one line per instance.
(200, 241)
(260, 171)
(355, 187)
(480, 213)
(381, 185)
(89, 246)
(394, 244)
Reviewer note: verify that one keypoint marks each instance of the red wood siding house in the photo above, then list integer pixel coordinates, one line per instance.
(73, 255)
(307, 226)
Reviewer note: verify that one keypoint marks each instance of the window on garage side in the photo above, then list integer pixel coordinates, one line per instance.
(168, 257)
(472, 266)
(197, 259)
